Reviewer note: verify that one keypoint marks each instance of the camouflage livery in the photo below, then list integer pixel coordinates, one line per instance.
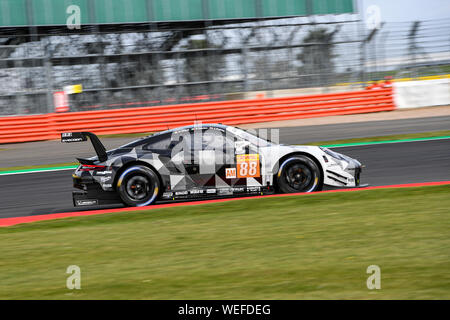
(203, 161)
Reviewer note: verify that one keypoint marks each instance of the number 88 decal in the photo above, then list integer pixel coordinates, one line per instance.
(248, 165)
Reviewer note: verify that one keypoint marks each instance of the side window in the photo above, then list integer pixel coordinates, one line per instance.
(213, 139)
(161, 142)
(217, 140)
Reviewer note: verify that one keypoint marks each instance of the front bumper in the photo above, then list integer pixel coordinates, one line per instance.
(349, 175)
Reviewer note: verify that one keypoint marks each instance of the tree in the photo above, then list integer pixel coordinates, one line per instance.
(201, 65)
(317, 55)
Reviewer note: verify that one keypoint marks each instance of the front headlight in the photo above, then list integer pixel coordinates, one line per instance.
(344, 160)
(333, 154)
(340, 159)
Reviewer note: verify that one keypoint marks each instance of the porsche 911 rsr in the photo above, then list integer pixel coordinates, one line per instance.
(204, 161)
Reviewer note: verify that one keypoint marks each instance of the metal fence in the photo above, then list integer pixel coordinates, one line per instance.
(154, 67)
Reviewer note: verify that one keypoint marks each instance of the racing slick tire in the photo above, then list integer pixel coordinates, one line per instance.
(299, 174)
(138, 186)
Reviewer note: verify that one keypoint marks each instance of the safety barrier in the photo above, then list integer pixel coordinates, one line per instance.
(157, 118)
(425, 93)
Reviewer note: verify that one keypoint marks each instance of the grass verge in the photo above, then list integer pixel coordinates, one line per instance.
(302, 247)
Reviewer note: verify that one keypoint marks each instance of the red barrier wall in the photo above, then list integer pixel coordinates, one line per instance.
(157, 118)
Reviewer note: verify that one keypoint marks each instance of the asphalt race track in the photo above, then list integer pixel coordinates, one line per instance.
(50, 152)
(386, 164)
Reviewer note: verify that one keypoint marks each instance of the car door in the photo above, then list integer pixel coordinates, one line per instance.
(174, 151)
(248, 162)
(237, 162)
(206, 160)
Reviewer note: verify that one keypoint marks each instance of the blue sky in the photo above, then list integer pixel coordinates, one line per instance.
(409, 10)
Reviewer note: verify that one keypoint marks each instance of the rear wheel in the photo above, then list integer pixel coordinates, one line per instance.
(138, 186)
(299, 174)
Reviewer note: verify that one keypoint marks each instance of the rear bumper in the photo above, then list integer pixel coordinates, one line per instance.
(94, 196)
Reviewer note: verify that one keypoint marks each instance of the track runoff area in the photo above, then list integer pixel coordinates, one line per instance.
(389, 164)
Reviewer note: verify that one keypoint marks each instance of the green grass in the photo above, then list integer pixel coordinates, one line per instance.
(300, 247)
(429, 134)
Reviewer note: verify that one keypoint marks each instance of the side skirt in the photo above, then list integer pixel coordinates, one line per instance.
(86, 198)
(207, 193)
(83, 198)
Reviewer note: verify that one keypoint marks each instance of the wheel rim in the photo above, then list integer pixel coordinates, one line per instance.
(138, 187)
(298, 176)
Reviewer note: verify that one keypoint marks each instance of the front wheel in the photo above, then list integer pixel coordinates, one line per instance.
(299, 174)
(138, 186)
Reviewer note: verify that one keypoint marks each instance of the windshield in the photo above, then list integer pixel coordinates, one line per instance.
(239, 133)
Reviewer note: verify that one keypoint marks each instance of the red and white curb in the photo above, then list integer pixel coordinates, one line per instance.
(6, 222)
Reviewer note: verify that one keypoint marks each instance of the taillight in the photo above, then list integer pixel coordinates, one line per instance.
(92, 167)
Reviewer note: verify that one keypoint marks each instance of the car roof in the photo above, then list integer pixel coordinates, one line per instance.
(201, 125)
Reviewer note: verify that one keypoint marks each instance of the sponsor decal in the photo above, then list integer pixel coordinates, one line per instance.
(107, 185)
(181, 193)
(209, 191)
(73, 139)
(238, 189)
(86, 202)
(167, 195)
(104, 179)
(230, 173)
(196, 191)
(248, 166)
(224, 191)
(253, 189)
(102, 173)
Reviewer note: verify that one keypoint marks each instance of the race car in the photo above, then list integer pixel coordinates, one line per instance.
(203, 161)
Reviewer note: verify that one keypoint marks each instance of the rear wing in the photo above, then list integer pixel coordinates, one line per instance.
(99, 148)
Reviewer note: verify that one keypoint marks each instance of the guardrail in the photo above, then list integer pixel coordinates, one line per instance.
(425, 93)
(157, 118)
